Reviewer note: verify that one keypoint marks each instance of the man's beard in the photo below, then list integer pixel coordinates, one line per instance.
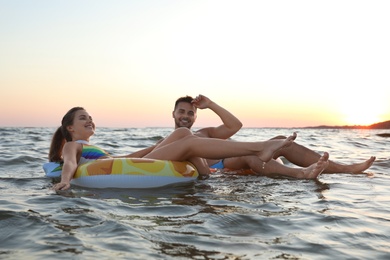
(181, 124)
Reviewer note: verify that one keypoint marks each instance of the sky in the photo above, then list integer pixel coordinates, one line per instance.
(270, 63)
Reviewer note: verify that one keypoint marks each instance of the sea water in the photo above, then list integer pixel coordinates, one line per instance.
(228, 216)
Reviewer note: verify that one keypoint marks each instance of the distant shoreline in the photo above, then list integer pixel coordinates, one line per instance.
(381, 125)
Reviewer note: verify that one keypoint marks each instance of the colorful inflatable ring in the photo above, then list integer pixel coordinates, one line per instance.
(127, 173)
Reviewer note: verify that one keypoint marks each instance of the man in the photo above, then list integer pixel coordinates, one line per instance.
(185, 114)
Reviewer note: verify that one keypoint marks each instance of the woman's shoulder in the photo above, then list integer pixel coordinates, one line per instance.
(71, 150)
(72, 145)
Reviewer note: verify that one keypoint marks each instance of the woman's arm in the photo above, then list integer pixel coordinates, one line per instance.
(141, 153)
(69, 154)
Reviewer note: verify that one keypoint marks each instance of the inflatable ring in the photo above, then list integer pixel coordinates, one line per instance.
(127, 173)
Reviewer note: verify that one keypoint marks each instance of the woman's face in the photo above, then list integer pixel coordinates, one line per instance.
(83, 125)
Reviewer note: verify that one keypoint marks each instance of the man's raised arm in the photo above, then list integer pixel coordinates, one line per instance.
(230, 126)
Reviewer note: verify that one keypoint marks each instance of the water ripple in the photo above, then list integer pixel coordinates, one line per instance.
(227, 216)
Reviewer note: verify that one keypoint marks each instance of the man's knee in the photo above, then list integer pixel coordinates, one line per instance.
(279, 137)
(182, 132)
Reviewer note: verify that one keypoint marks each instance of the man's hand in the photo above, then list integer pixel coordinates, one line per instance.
(201, 102)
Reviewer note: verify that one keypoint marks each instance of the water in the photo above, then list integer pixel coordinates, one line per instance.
(339, 216)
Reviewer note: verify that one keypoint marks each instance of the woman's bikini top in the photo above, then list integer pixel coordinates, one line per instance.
(90, 152)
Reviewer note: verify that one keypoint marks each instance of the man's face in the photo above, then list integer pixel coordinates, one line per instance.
(184, 115)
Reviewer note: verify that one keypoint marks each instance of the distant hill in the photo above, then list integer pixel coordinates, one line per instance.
(381, 125)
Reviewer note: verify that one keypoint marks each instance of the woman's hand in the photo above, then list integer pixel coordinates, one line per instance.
(61, 186)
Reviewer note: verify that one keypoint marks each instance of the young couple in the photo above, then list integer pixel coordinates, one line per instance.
(204, 148)
(70, 145)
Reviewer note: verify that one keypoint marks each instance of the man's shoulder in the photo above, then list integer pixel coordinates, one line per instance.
(203, 132)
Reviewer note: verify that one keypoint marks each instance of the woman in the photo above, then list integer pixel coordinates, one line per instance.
(70, 145)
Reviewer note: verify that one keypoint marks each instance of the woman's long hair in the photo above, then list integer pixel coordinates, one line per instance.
(62, 135)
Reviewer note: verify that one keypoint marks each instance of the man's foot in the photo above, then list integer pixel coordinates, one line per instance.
(314, 170)
(361, 167)
(273, 145)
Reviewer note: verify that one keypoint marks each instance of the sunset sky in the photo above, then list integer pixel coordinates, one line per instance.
(271, 63)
